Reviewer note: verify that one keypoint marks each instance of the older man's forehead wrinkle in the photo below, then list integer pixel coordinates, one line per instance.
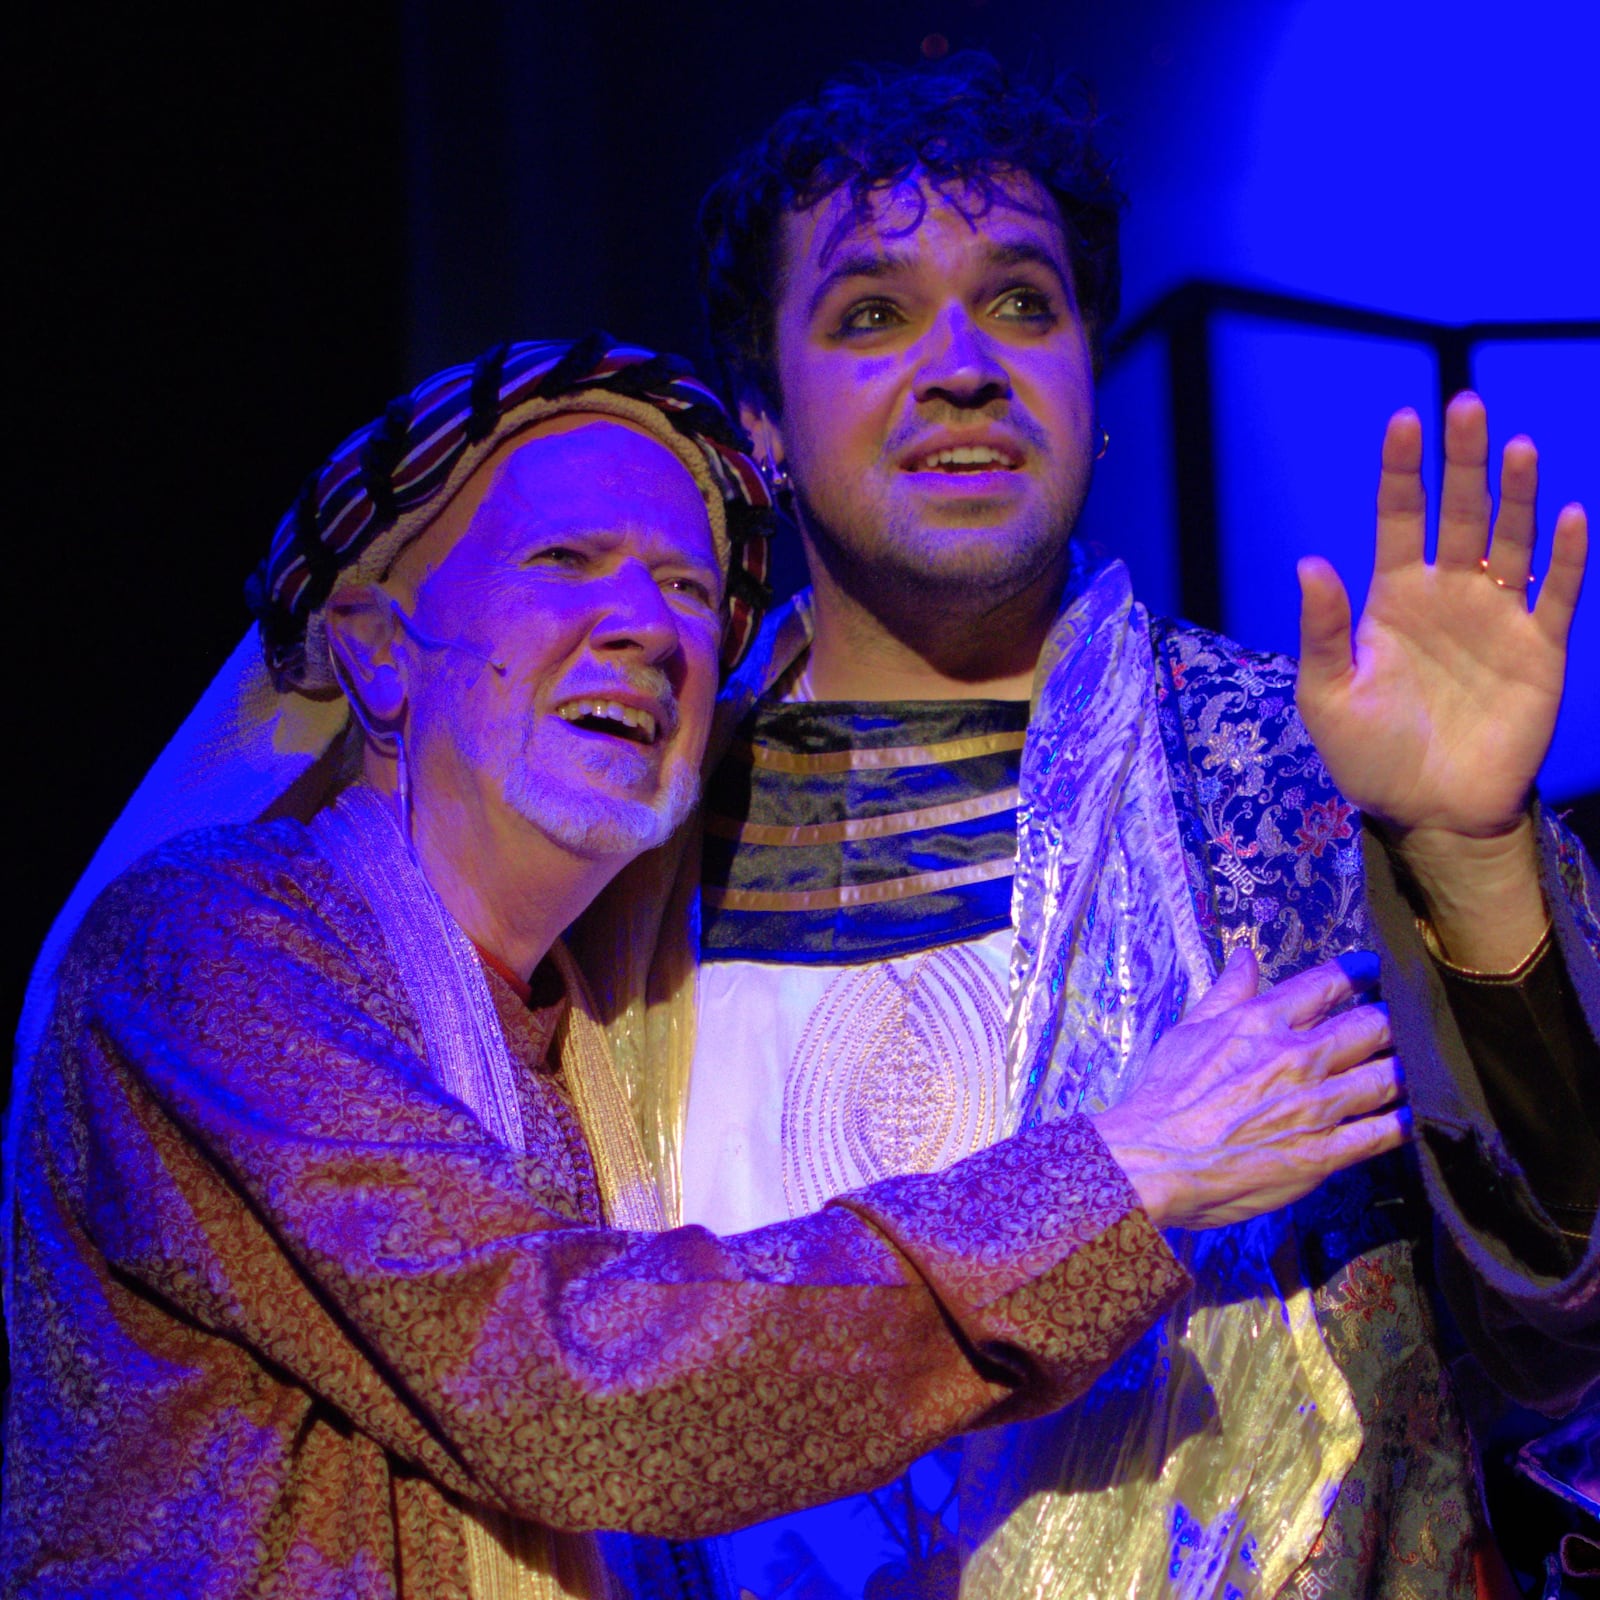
(585, 486)
(655, 526)
(582, 463)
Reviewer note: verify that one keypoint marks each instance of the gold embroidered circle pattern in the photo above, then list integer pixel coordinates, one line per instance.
(896, 1071)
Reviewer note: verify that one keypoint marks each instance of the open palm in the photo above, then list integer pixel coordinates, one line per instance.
(1439, 717)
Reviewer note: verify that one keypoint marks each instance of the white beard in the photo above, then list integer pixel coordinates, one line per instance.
(570, 795)
(590, 823)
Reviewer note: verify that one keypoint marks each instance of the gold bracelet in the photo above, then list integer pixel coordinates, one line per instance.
(1430, 941)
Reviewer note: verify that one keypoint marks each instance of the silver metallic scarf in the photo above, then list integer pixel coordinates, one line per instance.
(1204, 1464)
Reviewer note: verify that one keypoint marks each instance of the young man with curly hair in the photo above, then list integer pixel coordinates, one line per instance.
(982, 831)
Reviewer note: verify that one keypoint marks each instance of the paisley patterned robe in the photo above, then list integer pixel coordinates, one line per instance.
(281, 1306)
(1277, 859)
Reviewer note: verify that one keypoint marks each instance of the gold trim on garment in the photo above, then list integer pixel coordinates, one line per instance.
(857, 894)
(627, 1189)
(770, 759)
(511, 1559)
(883, 827)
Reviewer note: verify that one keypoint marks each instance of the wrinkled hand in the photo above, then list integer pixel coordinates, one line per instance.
(1253, 1099)
(1438, 719)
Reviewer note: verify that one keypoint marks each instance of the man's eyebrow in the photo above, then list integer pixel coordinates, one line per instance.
(861, 262)
(865, 261)
(1020, 251)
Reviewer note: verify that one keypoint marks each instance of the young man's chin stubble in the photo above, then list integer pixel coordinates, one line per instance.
(967, 568)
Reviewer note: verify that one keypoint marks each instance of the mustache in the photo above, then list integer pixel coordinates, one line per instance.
(943, 413)
(651, 682)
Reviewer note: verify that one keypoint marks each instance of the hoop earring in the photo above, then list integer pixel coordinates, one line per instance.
(1105, 444)
(779, 483)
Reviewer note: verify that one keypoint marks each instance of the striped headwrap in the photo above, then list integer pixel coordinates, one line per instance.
(384, 485)
(257, 744)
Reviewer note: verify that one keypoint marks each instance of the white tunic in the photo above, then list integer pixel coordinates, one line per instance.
(812, 1080)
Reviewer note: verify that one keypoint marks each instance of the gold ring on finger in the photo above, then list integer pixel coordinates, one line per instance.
(1505, 583)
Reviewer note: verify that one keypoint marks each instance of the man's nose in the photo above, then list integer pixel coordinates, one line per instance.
(959, 362)
(634, 614)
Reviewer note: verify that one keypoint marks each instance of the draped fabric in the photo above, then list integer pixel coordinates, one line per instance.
(1230, 1422)
(509, 1559)
(1207, 1462)
(1268, 853)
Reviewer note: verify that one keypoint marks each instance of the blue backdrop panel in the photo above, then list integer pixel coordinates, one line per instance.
(1129, 512)
(1299, 423)
(1552, 393)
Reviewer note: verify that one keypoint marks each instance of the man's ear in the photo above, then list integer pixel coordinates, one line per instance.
(362, 637)
(759, 419)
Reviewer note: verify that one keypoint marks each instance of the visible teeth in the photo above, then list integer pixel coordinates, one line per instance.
(965, 455)
(610, 711)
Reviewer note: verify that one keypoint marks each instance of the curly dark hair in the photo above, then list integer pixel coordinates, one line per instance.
(965, 123)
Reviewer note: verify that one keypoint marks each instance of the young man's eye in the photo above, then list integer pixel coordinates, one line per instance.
(870, 316)
(1023, 303)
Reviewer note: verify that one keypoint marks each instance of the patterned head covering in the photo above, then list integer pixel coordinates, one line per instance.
(389, 480)
(265, 738)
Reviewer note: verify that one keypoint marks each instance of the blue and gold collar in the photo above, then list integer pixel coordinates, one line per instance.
(838, 832)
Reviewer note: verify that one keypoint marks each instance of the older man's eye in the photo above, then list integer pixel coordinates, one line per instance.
(696, 590)
(557, 555)
(871, 316)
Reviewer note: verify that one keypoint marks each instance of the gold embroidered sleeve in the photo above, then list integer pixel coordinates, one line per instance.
(1039, 1251)
(261, 1147)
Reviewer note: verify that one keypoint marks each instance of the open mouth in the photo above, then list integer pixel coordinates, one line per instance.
(965, 458)
(611, 717)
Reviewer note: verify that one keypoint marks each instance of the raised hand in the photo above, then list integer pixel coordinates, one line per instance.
(1435, 722)
(1253, 1099)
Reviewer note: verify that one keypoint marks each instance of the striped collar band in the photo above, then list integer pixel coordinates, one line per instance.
(845, 832)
